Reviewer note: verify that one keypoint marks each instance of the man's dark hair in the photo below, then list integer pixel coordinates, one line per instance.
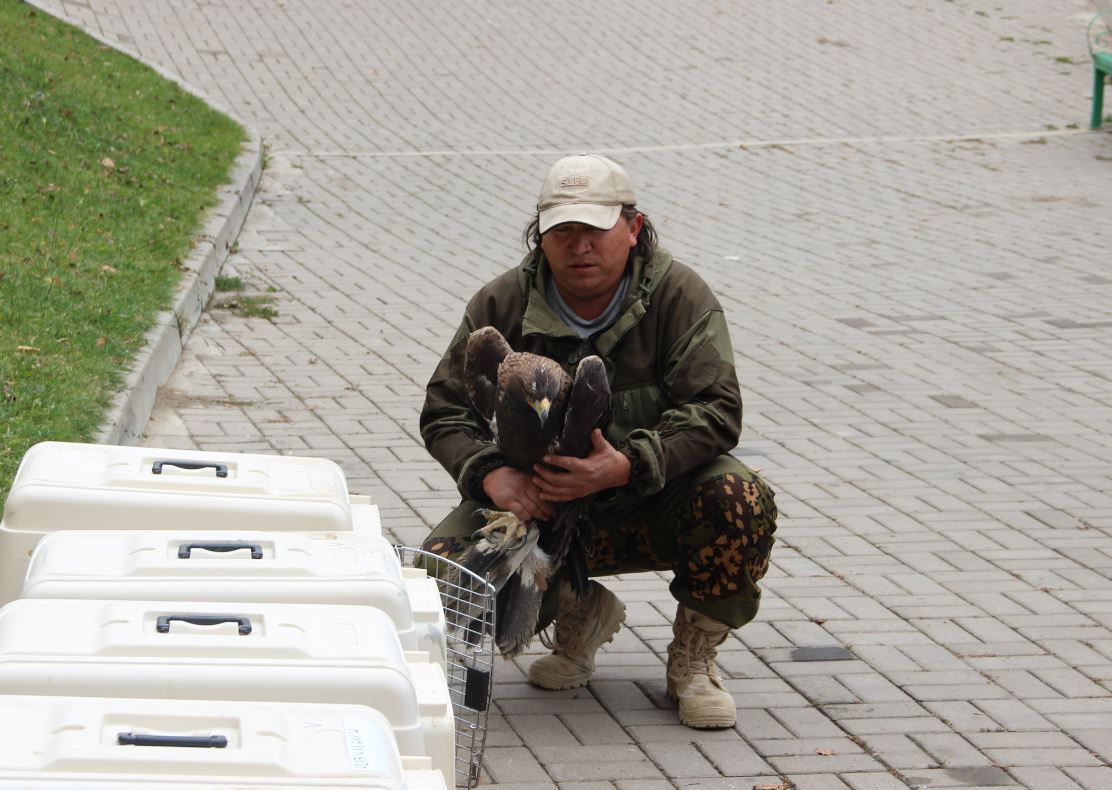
(646, 239)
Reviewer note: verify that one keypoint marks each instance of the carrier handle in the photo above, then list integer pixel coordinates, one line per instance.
(164, 620)
(221, 469)
(199, 741)
(185, 550)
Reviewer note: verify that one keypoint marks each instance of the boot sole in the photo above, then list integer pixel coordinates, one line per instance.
(708, 723)
(552, 682)
(721, 721)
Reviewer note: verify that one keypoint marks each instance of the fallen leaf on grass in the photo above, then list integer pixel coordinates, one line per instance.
(107, 163)
(108, 269)
(101, 341)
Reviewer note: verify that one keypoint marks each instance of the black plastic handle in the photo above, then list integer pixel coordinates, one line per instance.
(185, 549)
(195, 741)
(164, 620)
(221, 469)
(476, 688)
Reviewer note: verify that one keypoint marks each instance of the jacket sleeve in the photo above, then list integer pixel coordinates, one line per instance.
(454, 433)
(703, 417)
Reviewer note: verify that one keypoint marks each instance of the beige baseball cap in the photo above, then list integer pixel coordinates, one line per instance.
(586, 188)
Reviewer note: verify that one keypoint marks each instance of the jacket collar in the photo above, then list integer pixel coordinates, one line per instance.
(539, 318)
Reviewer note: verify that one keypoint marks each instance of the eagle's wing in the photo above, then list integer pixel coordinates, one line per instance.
(569, 538)
(589, 407)
(486, 348)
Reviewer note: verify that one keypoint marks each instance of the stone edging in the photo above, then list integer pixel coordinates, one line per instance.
(162, 346)
(163, 343)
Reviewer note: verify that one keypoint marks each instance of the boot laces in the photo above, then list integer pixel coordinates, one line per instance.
(570, 629)
(571, 626)
(700, 653)
(695, 650)
(547, 639)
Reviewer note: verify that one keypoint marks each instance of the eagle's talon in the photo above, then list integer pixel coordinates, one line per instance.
(502, 528)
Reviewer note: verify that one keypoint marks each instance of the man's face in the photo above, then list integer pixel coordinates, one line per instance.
(587, 263)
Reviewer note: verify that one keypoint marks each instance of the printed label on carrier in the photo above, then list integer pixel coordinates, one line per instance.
(359, 733)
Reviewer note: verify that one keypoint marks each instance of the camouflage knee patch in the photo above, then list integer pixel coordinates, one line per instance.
(603, 559)
(727, 528)
(447, 547)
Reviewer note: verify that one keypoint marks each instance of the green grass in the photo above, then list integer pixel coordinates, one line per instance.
(249, 305)
(105, 172)
(224, 283)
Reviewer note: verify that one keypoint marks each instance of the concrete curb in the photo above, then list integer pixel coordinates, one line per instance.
(163, 343)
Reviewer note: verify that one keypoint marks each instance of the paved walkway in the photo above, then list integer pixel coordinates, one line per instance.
(909, 233)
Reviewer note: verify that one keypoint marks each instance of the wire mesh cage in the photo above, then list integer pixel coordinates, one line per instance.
(468, 602)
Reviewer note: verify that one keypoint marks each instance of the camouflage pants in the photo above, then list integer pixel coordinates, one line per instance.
(713, 528)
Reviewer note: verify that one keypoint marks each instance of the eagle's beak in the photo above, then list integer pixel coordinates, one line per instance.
(541, 407)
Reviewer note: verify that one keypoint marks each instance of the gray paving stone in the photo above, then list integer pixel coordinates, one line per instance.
(1041, 757)
(595, 728)
(1044, 777)
(728, 783)
(541, 730)
(873, 781)
(825, 764)
(594, 763)
(513, 765)
(898, 751)
(950, 749)
(1089, 778)
(978, 777)
(680, 760)
(817, 782)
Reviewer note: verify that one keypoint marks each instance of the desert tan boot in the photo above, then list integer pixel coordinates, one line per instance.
(692, 676)
(582, 627)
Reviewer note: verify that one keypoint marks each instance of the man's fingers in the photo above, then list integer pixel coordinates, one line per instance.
(529, 506)
(555, 485)
(559, 461)
(567, 465)
(539, 507)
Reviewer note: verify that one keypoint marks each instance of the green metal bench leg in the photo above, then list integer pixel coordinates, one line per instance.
(1098, 98)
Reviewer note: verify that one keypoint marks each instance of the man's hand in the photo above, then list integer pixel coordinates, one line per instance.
(605, 467)
(514, 490)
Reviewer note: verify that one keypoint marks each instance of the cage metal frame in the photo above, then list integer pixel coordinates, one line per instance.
(469, 606)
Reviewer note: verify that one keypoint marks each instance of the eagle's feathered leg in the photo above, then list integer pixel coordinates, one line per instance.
(519, 603)
(500, 546)
(507, 554)
(567, 540)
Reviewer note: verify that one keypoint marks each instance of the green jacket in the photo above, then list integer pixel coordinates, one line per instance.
(668, 357)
